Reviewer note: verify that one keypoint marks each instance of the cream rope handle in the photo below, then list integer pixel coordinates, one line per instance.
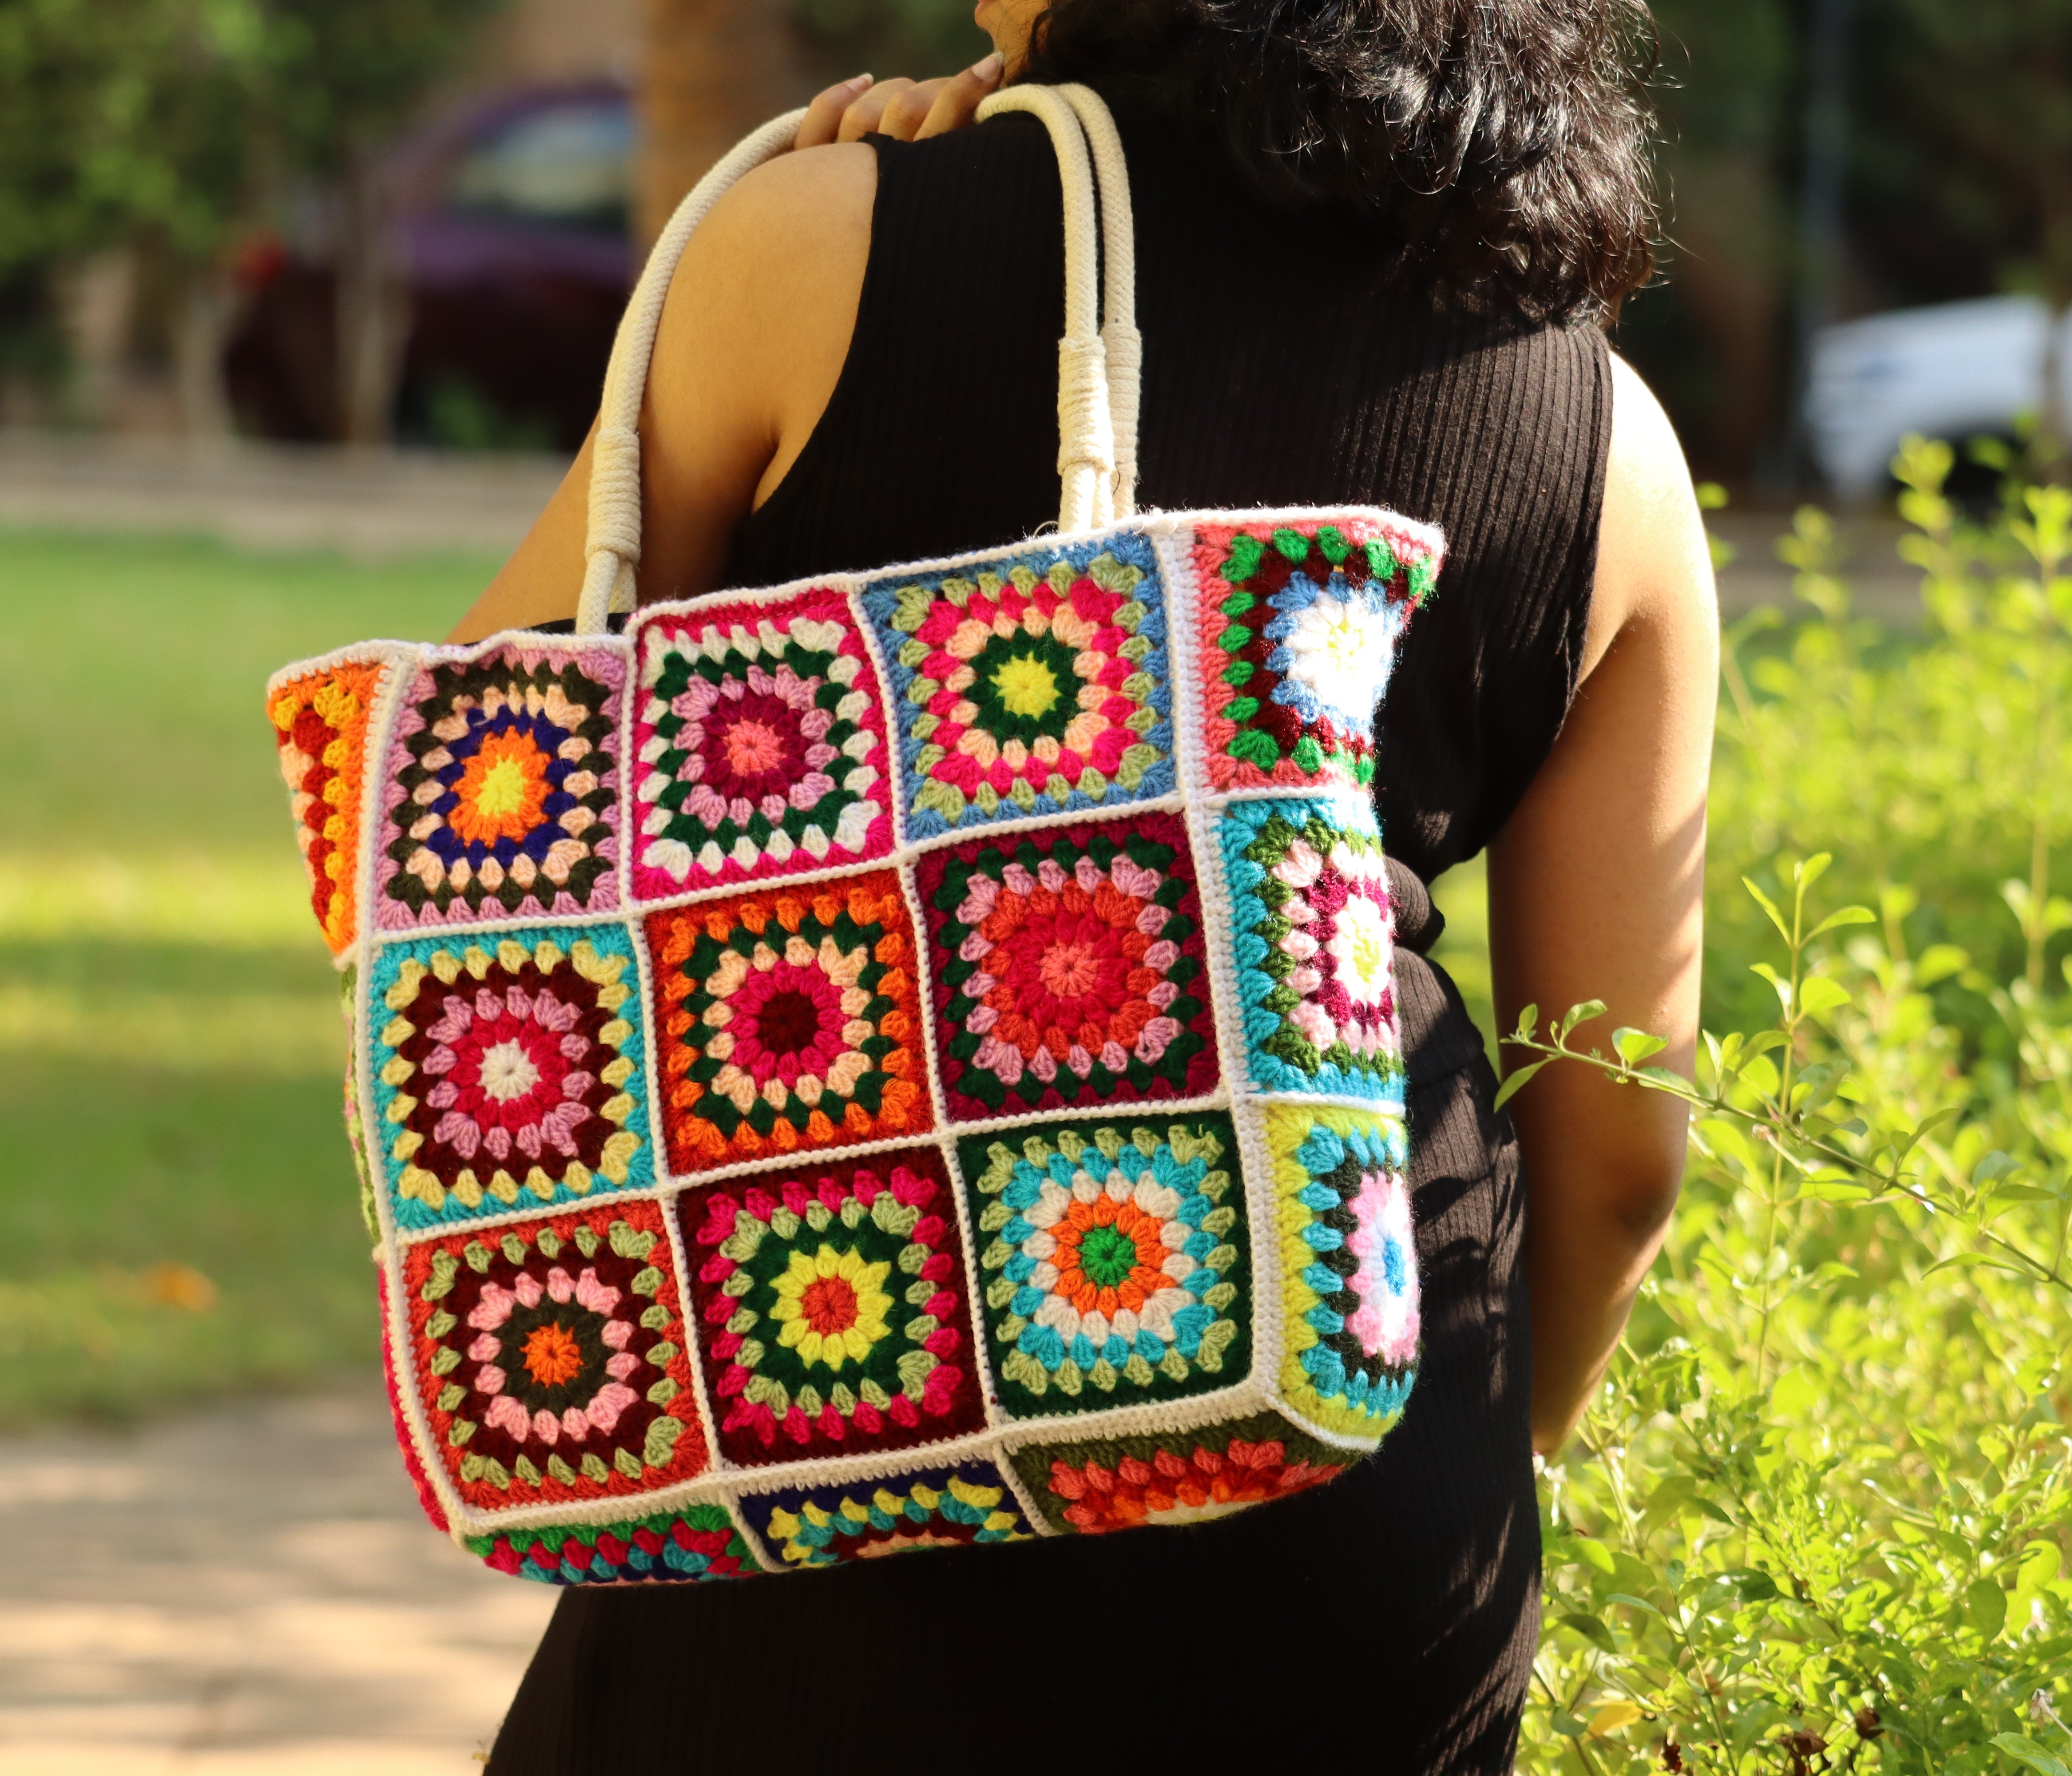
(1098, 367)
(1086, 430)
(613, 546)
(1124, 345)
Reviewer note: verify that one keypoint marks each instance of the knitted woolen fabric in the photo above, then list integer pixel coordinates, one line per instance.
(1400, 1603)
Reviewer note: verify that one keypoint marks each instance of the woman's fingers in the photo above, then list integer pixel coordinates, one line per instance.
(957, 103)
(865, 114)
(904, 109)
(823, 117)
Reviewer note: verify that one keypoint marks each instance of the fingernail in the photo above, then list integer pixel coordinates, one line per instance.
(859, 82)
(988, 70)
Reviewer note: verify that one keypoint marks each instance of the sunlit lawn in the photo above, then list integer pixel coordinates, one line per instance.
(176, 1203)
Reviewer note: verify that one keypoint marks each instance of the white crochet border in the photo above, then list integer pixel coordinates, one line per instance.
(722, 1482)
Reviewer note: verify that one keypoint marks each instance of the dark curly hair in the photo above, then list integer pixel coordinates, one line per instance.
(1503, 143)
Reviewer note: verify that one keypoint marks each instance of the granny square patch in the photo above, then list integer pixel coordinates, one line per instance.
(1112, 1261)
(698, 1542)
(502, 794)
(320, 740)
(831, 1309)
(788, 1020)
(1298, 625)
(1039, 686)
(761, 736)
(1314, 943)
(1348, 1265)
(1183, 1477)
(943, 1507)
(508, 1069)
(1068, 968)
(550, 1359)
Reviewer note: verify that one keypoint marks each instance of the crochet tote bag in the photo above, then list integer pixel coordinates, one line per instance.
(893, 1060)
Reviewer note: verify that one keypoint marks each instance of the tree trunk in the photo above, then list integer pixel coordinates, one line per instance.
(96, 299)
(713, 70)
(201, 332)
(373, 309)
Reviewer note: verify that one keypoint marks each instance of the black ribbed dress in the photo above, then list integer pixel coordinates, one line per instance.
(1385, 1622)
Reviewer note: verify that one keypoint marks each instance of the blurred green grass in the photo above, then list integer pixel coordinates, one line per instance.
(176, 1210)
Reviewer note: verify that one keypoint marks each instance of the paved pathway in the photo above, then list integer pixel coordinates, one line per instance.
(249, 1592)
(372, 503)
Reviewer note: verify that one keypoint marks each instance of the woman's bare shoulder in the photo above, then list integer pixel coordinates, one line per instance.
(1653, 564)
(752, 344)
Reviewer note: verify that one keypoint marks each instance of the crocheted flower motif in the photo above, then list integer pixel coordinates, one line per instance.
(1111, 1274)
(947, 1507)
(832, 1308)
(509, 1068)
(1185, 1477)
(502, 798)
(697, 1542)
(761, 742)
(320, 736)
(1298, 630)
(790, 1020)
(1068, 968)
(1315, 946)
(1038, 690)
(550, 1358)
(1349, 1265)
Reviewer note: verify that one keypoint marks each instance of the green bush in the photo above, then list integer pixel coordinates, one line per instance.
(1819, 1515)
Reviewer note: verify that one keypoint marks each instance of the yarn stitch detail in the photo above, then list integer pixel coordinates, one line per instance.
(1037, 685)
(945, 1507)
(762, 745)
(832, 1309)
(320, 740)
(1068, 968)
(1172, 1478)
(1313, 941)
(789, 1020)
(699, 1542)
(428, 1498)
(1114, 1264)
(1298, 628)
(508, 1070)
(550, 1358)
(502, 798)
(1348, 1264)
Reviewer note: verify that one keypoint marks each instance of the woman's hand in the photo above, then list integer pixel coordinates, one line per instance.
(907, 110)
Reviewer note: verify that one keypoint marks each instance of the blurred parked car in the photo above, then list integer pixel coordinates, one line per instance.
(1957, 371)
(510, 224)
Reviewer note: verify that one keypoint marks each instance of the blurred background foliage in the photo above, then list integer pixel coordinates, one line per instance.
(186, 130)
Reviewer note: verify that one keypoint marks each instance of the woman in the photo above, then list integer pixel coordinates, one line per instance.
(1372, 240)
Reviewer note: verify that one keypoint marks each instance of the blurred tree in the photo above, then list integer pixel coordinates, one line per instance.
(1965, 166)
(126, 129)
(341, 76)
(161, 130)
(920, 38)
(1710, 337)
(711, 72)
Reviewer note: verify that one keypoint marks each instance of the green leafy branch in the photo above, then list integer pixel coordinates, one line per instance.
(1792, 1105)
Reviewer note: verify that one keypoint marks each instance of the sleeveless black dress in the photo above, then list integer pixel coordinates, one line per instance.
(1387, 1621)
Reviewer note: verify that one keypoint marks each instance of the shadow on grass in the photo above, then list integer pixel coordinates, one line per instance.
(175, 1185)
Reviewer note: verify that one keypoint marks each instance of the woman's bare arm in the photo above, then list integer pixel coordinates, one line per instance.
(1595, 893)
